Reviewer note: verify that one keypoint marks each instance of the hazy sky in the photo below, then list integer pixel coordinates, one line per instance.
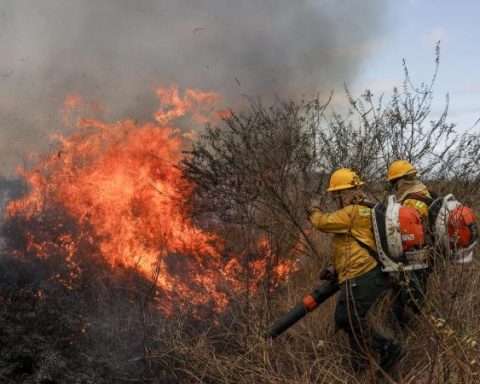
(413, 27)
(115, 52)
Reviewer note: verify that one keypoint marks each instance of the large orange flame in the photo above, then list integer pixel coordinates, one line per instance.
(122, 180)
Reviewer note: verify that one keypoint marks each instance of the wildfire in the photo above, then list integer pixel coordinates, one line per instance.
(122, 181)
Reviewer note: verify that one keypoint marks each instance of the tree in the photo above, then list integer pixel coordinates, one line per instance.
(263, 166)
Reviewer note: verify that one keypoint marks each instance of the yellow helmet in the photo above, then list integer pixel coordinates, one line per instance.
(400, 168)
(344, 178)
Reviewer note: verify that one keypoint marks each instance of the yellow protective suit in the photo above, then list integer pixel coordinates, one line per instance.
(406, 187)
(352, 221)
(419, 206)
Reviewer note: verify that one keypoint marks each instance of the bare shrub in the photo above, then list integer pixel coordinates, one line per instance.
(260, 169)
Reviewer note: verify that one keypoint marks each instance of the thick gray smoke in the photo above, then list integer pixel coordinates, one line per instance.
(116, 51)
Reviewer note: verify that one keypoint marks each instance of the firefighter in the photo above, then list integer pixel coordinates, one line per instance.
(410, 192)
(402, 176)
(361, 280)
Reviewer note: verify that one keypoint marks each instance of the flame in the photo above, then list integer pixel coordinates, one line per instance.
(200, 105)
(257, 270)
(122, 180)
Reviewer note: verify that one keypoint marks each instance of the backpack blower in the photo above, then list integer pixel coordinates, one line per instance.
(453, 227)
(399, 237)
(307, 305)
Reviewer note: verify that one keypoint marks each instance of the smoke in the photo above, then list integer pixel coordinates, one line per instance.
(115, 52)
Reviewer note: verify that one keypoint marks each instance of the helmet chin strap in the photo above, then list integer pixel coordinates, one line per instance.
(339, 199)
(393, 185)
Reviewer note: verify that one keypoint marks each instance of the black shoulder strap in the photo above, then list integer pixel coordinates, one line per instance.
(369, 249)
(367, 204)
(418, 196)
(365, 246)
(433, 194)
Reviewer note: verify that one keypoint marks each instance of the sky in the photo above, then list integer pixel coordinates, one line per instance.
(412, 28)
(114, 52)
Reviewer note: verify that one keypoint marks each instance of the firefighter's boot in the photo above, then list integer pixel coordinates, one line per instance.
(391, 356)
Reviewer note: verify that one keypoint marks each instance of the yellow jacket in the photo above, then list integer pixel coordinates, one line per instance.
(353, 221)
(419, 206)
(407, 187)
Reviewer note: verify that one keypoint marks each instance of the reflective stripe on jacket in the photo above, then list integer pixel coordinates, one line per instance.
(348, 224)
(419, 206)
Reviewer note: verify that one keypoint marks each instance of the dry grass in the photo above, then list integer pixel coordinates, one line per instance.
(442, 343)
(102, 329)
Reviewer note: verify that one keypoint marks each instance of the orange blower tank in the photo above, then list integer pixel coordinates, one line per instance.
(462, 227)
(411, 229)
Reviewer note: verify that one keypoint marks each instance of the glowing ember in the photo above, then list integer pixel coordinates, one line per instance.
(254, 272)
(122, 181)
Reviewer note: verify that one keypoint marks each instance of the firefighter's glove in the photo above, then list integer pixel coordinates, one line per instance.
(309, 211)
(328, 273)
(314, 205)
